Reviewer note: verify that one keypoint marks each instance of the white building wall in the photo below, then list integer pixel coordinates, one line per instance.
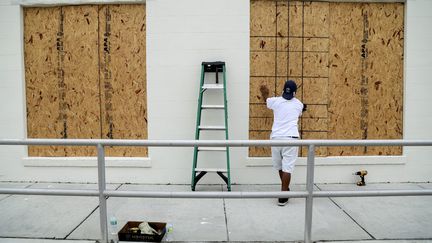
(180, 35)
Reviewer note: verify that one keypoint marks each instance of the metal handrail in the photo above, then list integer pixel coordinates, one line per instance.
(309, 194)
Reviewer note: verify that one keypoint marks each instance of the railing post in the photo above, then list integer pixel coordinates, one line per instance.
(309, 198)
(102, 198)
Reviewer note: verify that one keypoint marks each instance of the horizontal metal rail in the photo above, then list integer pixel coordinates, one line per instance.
(50, 192)
(215, 194)
(309, 194)
(213, 143)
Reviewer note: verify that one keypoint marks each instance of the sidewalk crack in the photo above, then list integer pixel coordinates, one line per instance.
(226, 218)
(343, 210)
(88, 216)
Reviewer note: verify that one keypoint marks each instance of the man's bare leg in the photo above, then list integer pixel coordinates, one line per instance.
(285, 181)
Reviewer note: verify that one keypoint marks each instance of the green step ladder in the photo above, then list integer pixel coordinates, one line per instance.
(224, 173)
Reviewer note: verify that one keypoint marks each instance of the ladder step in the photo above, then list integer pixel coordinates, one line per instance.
(218, 149)
(212, 107)
(211, 170)
(212, 86)
(211, 128)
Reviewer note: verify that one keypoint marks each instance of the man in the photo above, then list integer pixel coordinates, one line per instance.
(286, 112)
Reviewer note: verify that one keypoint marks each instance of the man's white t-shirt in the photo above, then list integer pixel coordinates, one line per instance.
(286, 115)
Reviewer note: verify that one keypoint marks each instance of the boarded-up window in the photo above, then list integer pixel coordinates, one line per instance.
(347, 59)
(85, 71)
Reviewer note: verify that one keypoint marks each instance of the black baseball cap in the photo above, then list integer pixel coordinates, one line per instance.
(290, 88)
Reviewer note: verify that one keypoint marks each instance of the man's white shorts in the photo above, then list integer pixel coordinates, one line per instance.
(284, 158)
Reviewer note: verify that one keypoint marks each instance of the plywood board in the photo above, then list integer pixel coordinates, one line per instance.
(315, 124)
(316, 91)
(295, 44)
(316, 111)
(295, 19)
(262, 63)
(319, 151)
(385, 74)
(295, 64)
(262, 43)
(345, 76)
(315, 64)
(260, 124)
(335, 53)
(42, 50)
(262, 18)
(316, 44)
(123, 76)
(259, 151)
(259, 110)
(282, 18)
(261, 88)
(81, 76)
(282, 64)
(316, 19)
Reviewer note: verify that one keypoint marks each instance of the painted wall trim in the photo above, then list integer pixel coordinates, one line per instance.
(334, 161)
(124, 162)
(49, 3)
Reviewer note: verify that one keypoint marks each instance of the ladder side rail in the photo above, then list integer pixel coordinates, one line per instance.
(197, 130)
(226, 128)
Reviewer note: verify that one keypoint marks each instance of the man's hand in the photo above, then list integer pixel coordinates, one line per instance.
(304, 107)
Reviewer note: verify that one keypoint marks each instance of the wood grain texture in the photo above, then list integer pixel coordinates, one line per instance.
(347, 59)
(41, 57)
(124, 96)
(68, 83)
(316, 19)
(316, 91)
(262, 43)
(262, 63)
(81, 76)
(345, 76)
(262, 18)
(261, 88)
(385, 74)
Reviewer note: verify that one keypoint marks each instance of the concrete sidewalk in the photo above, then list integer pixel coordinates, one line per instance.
(48, 219)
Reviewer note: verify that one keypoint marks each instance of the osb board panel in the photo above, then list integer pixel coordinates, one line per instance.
(81, 76)
(123, 76)
(319, 151)
(385, 75)
(332, 64)
(282, 19)
(262, 63)
(259, 151)
(62, 71)
(262, 43)
(259, 110)
(281, 64)
(317, 91)
(316, 111)
(295, 63)
(315, 64)
(316, 44)
(262, 18)
(315, 124)
(379, 67)
(289, 44)
(316, 19)
(345, 76)
(260, 124)
(261, 88)
(43, 100)
(295, 18)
